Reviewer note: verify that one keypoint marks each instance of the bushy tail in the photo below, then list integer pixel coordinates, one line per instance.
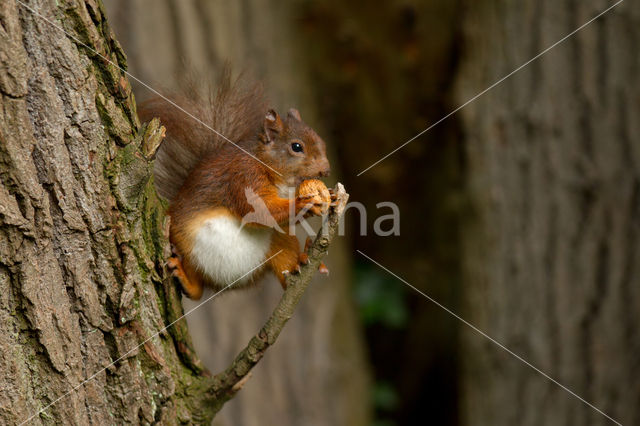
(234, 108)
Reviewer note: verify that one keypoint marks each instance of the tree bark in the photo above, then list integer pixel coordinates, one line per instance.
(551, 253)
(84, 293)
(81, 230)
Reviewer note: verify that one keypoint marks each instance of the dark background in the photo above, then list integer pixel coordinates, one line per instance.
(521, 213)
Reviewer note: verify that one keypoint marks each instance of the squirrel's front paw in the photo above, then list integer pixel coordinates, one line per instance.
(313, 195)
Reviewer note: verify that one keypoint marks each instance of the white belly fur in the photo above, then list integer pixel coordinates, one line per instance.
(226, 253)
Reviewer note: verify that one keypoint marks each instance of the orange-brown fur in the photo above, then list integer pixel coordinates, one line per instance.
(203, 175)
(287, 259)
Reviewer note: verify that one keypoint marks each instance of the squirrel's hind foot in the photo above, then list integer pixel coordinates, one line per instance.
(193, 290)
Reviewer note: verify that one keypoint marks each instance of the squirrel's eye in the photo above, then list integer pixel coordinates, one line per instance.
(296, 147)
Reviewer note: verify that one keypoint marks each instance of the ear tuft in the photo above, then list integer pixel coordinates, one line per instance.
(271, 115)
(272, 125)
(294, 113)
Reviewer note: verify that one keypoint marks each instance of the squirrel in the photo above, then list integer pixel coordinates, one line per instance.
(213, 185)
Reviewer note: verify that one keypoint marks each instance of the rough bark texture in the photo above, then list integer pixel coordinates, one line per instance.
(81, 233)
(83, 237)
(321, 350)
(551, 259)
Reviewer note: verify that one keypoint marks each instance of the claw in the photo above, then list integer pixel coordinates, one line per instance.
(303, 259)
(173, 263)
(286, 273)
(296, 269)
(307, 244)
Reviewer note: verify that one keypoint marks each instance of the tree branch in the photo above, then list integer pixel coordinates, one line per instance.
(211, 393)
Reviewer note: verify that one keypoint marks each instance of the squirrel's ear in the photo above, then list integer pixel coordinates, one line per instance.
(272, 125)
(294, 113)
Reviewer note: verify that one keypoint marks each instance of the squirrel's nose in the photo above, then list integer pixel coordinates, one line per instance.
(325, 172)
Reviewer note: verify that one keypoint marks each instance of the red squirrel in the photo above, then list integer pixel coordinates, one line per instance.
(208, 179)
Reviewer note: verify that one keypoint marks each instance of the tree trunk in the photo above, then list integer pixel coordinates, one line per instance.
(84, 294)
(551, 256)
(82, 234)
(317, 372)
